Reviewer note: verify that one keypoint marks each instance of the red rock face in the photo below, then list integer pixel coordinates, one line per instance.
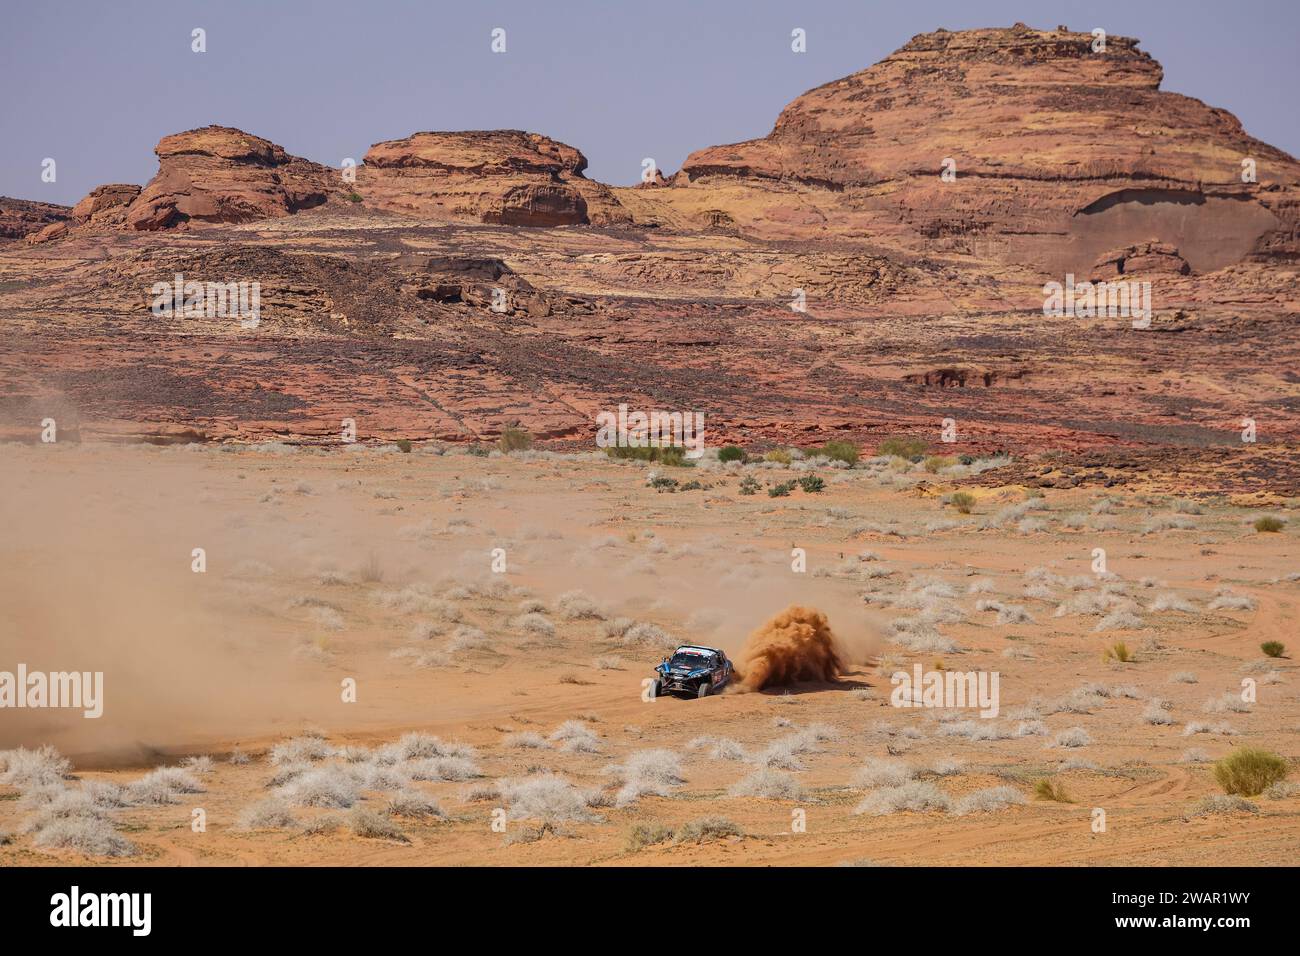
(217, 174)
(105, 203)
(502, 176)
(1060, 153)
(22, 217)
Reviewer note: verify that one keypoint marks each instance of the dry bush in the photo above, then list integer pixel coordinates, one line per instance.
(707, 829)
(1218, 804)
(989, 800)
(1048, 788)
(547, 797)
(883, 773)
(373, 825)
(331, 787)
(414, 803)
(915, 795)
(574, 736)
(92, 836)
(768, 783)
(272, 813)
(24, 769)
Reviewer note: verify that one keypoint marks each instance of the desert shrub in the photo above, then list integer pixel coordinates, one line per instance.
(161, 786)
(963, 501)
(915, 795)
(374, 825)
(1157, 713)
(404, 445)
(844, 451)
(749, 485)
(1117, 652)
(547, 797)
(1249, 771)
(300, 749)
(92, 836)
(646, 772)
(323, 787)
(731, 453)
(779, 455)
(883, 773)
(414, 803)
(780, 490)
(811, 484)
(576, 606)
(1269, 523)
(1073, 737)
(648, 834)
(272, 813)
(1217, 803)
(662, 483)
(1225, 600)
(765, 782)
(908, 448)
(673, 456)
(706, 829)
(450, 767)
(370, 571)
(989, 800)
(937, 463)
(536, 625)
(575, 737)
(1049, 789)
(1273, 648)
(25, 769)
(514, 438)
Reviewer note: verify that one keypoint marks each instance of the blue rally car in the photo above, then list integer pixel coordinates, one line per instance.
(694, 670)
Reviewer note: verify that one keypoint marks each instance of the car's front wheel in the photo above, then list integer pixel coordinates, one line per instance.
(658, 689)
(704, 689)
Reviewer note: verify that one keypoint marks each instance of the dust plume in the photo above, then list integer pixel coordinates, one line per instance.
(796, 645)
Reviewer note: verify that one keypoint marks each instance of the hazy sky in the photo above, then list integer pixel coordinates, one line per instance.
(95, 84)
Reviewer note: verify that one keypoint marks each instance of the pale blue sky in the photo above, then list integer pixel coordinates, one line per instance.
(96, 84)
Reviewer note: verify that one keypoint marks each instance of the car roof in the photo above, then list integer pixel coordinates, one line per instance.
(696, 648)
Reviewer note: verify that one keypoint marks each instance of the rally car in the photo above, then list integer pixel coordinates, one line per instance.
(694, 670)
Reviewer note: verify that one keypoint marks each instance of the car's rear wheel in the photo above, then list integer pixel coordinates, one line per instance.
(704, 689)
(658, 689)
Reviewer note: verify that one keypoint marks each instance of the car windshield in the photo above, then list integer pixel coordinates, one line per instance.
(691, 660)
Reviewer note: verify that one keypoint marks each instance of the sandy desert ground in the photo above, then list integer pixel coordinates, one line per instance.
(484, 697)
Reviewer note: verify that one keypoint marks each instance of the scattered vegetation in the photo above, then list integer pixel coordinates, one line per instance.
(844, 451)
(1117, 652)
(1048, 788)
(1269, 523)
(1273, 648)
(1249, 771)
(908, 448)
(514, 438)
(731, 453)
(963, 501)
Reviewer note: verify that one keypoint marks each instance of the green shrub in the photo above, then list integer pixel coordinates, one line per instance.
(1273, 648)
(674, 456)
(354, 197)
(1049, 789)
(663, 483)
(811, 484)
(749, 485)
(908, 448)
(1249, 771)
(1117, 652)
(844, 451)
(731, 453)
(514, 439)
(1269, 523)
(404, 444)
(937, 463)
(781, 490)
(478, 451)
(694, 485)
(963, 501)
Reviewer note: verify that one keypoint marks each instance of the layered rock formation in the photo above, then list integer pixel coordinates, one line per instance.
(218, 174)
(23, 217)
(501, 176)
(1060, 152)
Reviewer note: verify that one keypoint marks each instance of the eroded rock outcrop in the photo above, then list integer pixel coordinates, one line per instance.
(1060, 152)
(499, 176)
(221, 175)
(24, 217)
